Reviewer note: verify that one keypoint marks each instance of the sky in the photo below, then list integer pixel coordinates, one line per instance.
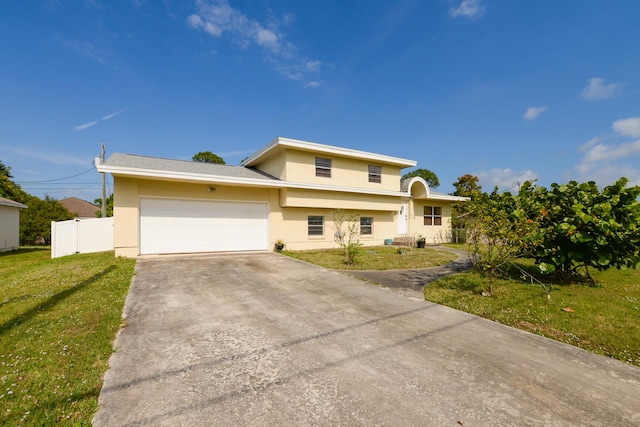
(504, 90)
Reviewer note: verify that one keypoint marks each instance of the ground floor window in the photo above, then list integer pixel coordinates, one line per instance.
(432, 215)
(366, 225)
(315, 225)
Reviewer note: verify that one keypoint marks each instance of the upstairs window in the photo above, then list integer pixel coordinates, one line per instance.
(315, 225)
(375, 173)
(432, 215)
(323, 167)
(366, 226)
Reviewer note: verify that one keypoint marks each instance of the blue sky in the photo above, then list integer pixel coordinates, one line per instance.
(506, 90)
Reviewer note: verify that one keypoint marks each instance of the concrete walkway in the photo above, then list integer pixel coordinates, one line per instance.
(261, 339)
(411, 282)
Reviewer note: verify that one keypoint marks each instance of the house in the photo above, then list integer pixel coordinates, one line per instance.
(287, 191)
(10, 224)
(80, 208)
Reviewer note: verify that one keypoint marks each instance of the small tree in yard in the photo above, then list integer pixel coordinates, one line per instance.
(498, 231)
(347, 234)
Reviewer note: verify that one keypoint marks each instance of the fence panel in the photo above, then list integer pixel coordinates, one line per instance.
(81, 235)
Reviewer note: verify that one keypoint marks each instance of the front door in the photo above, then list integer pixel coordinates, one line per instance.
(403, 218)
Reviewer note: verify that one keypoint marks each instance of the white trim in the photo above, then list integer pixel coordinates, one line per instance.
(327, 149)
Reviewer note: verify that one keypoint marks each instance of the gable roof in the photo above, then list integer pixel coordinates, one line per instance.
(280, 144)
(7, 202)
(130, 164)
(80, 208)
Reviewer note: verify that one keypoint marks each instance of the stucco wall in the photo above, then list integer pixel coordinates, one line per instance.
(9, 228)
(435, 234)
(345, 172)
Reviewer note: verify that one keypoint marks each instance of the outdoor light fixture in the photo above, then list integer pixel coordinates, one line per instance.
(211, 189)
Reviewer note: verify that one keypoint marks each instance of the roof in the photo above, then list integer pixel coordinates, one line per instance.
(11, 203)
(280, 143)
(406, 184)
(80, 208)
(130, 164)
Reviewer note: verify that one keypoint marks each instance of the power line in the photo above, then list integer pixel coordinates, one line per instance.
(59, 179)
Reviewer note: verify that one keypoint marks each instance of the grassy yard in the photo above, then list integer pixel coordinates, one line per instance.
(376, 258)
(58, 319)
(603, 319)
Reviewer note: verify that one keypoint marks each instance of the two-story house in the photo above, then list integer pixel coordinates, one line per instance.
(288, 190)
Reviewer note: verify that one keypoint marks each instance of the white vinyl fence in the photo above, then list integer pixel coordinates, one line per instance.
(81, 236)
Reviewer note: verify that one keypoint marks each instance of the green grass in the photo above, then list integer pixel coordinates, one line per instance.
(58, 318)
(376, 258)
(605, 319)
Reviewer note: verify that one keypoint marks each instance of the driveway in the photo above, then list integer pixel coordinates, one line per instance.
(411, 282)
(261, 339)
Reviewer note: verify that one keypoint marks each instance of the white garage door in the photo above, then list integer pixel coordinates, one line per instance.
(185, 226)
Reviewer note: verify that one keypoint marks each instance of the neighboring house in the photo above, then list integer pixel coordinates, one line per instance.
(10, 224)
(286, 191)
(80, 208)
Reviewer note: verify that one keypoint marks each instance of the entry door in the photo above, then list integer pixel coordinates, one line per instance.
(403, 218)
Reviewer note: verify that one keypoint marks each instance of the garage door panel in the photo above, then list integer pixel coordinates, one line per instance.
(183, 226)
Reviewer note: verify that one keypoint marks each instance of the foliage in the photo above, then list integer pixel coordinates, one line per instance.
(376, 258)
(467, 186)
(109, 206)
(35, 222)
(604, 320)
(583, 227)
(208, 157)
(57, 323)
(426, 174)
(9, 189)
(498, 231)
(347, 234)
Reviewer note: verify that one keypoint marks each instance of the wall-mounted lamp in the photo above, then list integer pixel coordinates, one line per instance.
(211, 189)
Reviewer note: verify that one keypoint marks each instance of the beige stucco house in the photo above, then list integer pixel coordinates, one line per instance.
(10, 224)
(286, 191)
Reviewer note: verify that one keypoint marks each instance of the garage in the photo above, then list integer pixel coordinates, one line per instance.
(188, 226)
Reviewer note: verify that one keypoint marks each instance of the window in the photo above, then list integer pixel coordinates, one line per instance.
(315, 225)
(432, 215)
(375, 173)
(366, 225)
(323, 167)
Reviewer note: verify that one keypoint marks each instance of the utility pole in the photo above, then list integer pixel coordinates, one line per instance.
(104, 188)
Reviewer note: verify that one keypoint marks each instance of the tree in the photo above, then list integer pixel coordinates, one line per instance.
(585, 228)
(109, 206)
(467, 186)
(426, 174)
(35, 222)
(347, 234)
(208, 157)
(499, 230)
(8, 188)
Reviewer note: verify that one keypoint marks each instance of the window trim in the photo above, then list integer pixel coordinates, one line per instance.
(375, 173)
(432, 215)
(323, 167)
(311, 227)
(368, 227)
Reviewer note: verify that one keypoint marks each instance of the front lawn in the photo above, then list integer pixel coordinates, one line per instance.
(376, 258)
(58, 319)
(603, 319)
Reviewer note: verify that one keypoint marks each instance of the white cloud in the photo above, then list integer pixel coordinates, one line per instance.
(85, 126)
(504, 179)
(217, 18)
(629, 127)
(596, 90)
(533, 112)
(112, 115)
(468, 9)
(605, 160)
(95, 122)
(56, 158)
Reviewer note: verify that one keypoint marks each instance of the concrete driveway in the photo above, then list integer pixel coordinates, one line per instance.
(260, 339)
